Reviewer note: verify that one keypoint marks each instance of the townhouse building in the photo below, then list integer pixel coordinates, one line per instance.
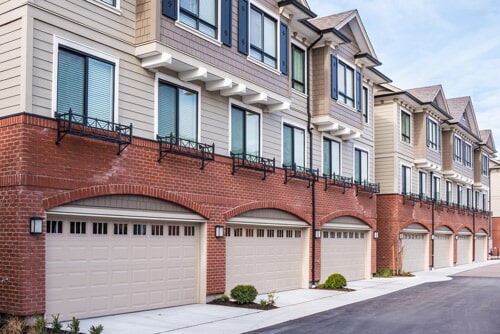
(495, 207)
(432, 163)
(158, 153)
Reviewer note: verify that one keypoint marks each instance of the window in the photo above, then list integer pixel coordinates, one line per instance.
(238, 232)
(139, 229)
(85, 84)
(189, 230)
(422, 184)
(476, 199)
(469, 198)
(249, 232)
(270, 233)
(293, 146)
(260, 233)
(485, 204)
(484, 164)
(110, 2)
(54, 226)
(405, 180)
(365, 104)
(177, 111)
(289, 233)
(77, 227)
(100, 228)
(120, 229)
(263, 37)
(346, 84)
(405, 127)
(298, 233)
(157, 230)
(360, 166)
(457, 149)
(459, 194)
(467, 155)
(331, 157)
(433, 134)
(298, 68)
(199, 15)
(449, 189)
(436, 186)
(173, 230)
(279, 233)
(245, 132)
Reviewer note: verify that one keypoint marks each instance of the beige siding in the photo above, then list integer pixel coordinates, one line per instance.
(320, 93)
(404, 149)
(385, 128)
(10, 68)
(495, 194)
(385, 174)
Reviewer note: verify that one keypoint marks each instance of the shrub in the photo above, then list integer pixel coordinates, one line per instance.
(13, 325)
(244, 294)
(56, 324)
(74, 326)
(335, 281)
(96, 330)
(40, 326)
(384, 272)
(221, 299)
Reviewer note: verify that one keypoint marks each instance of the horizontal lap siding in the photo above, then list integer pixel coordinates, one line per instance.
(215, 121)
(10, 68)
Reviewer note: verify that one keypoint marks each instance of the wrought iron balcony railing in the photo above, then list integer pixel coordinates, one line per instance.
(302, 173)
(187, 147)
(255, 162)
(365, 186)
(338, 181)
(92, 127)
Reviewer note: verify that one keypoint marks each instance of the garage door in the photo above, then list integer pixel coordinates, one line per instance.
(414, 243)
(481, 246)
(106, 265)
(464, 246)
(345, 249)
(443, 247)
(267, 249)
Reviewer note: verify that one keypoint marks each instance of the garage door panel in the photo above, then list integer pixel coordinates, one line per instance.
(442, 250)
(480, 248)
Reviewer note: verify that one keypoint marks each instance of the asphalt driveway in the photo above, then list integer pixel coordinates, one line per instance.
(469, 303)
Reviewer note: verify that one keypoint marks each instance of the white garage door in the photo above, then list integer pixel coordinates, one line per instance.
(443, 247)
(100, 266)
(269, 257)
(414, 248)
(464, 247)
(481, 247)
(345, 249)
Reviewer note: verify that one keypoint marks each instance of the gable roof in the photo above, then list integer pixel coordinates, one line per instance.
(433, 95)
(462, 111)
(487, 140)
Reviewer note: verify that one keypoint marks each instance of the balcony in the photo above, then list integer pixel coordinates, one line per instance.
(186, 147)
(301, 173)
(365, 186)
(91, 127)
(338, 181)
(249, 161)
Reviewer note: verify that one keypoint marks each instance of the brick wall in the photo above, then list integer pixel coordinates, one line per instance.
(495, 235)
(36, 175)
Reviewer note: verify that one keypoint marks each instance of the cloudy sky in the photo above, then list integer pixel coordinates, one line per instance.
(455, 43)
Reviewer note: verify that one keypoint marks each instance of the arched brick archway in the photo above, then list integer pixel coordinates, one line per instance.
(267, 205)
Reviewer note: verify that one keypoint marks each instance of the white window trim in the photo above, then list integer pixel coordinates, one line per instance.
(304, 48)
(367, 150)
(278, 40)
(370, 108)
(287, 121)
(482, 163)
(438, 177)
(214, 40)
(402, 110)
(93, 52)
(401, 165)
(471, 160)
(355, 69)
(114, 9)
(438, 133)
(248, 107)
(425, 183)
(173, 80)
(338, 140)
(461, 148)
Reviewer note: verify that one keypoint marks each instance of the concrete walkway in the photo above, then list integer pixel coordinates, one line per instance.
(208, 319)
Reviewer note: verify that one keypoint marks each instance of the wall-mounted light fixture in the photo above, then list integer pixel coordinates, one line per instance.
(219, 231)
(401, 235)
(375, 234)
(432, 236)
(456, 236)
(317, 234)
(36, 225)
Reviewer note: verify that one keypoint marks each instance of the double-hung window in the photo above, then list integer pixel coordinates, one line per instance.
(263, 37)
(476, 199)
(199, 15)
(177, 111)
(405, 180)
(331, 157)
(457, 149)
(405, 127)
(459, 194)
(436, 187)
(298, 68)
(245, 132)
(293, 146)
(485, 203)
(467, 158)
(85, 84)
(469, 197)
(484, 164)
(422, 184)
(433, 134)
(449, 194)
(110, 2)
(360, 166)
(346, 84)
(365, 99)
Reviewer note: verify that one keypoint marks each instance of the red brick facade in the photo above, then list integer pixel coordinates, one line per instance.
(495, 236)
(36, 175)
(394, 213)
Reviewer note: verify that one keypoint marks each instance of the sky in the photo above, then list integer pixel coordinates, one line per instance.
(455, 43)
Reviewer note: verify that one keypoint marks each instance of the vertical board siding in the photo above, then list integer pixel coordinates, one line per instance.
(10, 67)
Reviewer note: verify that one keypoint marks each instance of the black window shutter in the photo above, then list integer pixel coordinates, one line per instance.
(169, 8)
(358, 90)
(243, 26)
(226, 22)
(284, 48)
(335, 90)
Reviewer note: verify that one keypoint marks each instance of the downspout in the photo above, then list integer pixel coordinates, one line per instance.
(310, 132)
(432, 223)
(474, 208)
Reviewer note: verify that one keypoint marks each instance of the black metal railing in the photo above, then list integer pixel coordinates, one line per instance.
(187, 147)
(92, 127)
(338, 181)
(369, 187)
(255, 162)
(441, 204)
(302, 173)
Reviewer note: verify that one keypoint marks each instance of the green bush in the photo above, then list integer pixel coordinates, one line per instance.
(96, 330)
(244, 294)
(222, 298)
(384, 272)
(74, 326)
(335, 281)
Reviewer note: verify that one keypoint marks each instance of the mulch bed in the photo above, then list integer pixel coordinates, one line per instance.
(254, 306)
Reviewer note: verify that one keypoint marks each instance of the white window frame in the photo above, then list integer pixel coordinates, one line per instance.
(449, 192)
(467, 155)
(215, 40)
(340, 152)
(365, 104)
(409, 129)
(116, 9)
(239, 104)
(420, 183)
(61, 41)
(299, 126)
(363, 149)
(485, 164)
(303, 48)
(354, 69)
(436, 187)
(437, 134)
(169, 79)
(457, 149)
(460, 198)
(408, 182)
